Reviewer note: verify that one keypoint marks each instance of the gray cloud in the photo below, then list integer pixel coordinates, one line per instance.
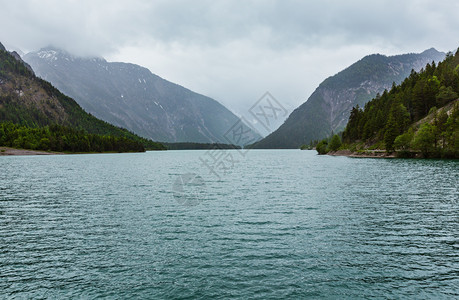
(234, 50)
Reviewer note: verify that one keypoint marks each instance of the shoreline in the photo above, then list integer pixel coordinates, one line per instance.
(366, 154)
(7, 151)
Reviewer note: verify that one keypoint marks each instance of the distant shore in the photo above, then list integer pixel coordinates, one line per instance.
(4, 151)
(364, 154)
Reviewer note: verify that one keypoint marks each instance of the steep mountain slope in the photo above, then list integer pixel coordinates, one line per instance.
(32, 102)
(130, 96)
(419, 115)
(327, 109)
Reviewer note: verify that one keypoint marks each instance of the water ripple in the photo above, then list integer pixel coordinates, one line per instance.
(282, 224)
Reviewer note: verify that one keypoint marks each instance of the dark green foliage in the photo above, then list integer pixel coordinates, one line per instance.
(424, 94)
(322, 147)
(335, 143)
(425, 139)
(60, 138)
(390, 133)
(306, 147)
(388, 117)
(312, 144)
(398, 121)
(8, 64)
(403, 141)
(445, 95)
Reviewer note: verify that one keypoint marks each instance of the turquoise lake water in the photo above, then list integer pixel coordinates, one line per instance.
(266, 224)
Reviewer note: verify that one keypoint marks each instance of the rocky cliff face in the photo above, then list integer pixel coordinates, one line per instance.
(130, 96)
(327, 109)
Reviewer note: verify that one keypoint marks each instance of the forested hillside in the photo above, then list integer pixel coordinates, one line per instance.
(28, 103)
(421, 115)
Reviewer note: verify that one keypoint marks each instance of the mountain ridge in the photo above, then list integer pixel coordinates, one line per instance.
(131, 96)
(327, 109)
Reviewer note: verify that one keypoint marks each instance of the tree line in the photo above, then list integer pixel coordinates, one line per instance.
(63, 139)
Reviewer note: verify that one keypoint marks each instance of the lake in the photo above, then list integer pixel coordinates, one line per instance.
(262, 224)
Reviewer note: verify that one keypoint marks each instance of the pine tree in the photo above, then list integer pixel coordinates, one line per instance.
(390, 133)
(335, 143)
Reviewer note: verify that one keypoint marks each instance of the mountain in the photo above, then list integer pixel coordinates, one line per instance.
(32, 105)
(327, 109)
(418, 117)
(132, 97)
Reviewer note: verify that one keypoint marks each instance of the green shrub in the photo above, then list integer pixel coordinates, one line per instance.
(335, 143)
(322, 147)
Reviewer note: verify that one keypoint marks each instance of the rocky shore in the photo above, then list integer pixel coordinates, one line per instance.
(363, 154)
(13, 151)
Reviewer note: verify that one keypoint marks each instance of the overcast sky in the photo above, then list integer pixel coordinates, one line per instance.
(234, 51)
